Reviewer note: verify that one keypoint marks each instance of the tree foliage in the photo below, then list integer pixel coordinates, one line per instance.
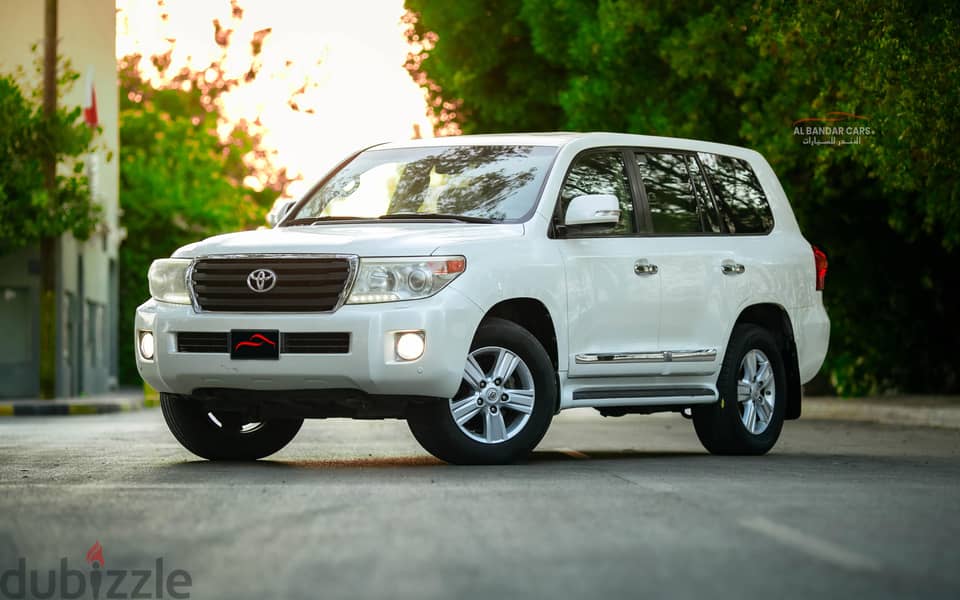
(181, 180)
(485, 58)
(28, 211)
(887, 210)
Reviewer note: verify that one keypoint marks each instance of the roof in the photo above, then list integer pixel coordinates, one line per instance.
(563, 138)
(558, 138)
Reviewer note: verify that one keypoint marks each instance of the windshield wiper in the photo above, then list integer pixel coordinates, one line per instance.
(316, 220)
(437, 217)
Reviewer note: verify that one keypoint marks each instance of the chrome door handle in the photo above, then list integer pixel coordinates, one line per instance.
(732, 268)
(642, 267)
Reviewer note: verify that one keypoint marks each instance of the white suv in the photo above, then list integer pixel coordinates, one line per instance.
(475, 286)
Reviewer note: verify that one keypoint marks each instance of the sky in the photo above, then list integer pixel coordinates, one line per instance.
(350, 54)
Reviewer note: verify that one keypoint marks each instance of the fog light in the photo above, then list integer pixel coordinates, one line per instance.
(146, 345)
(410, 345)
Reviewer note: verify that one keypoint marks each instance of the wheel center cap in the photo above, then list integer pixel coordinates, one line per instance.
(492, 395)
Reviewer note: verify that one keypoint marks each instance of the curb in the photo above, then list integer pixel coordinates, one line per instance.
(72, 406)
(907, 412)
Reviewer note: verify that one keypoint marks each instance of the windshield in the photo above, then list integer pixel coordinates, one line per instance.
(476, 183)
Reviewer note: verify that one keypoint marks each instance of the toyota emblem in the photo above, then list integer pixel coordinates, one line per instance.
(261, 280)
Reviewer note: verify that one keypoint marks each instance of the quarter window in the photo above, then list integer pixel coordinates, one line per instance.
(670, 195)
(742, 203)
(601, 173)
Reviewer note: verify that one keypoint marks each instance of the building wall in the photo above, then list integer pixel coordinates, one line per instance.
(86, 327)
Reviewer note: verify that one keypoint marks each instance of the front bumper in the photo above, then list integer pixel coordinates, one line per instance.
(448, 320)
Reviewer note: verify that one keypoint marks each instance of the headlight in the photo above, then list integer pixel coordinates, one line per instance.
(168, 280)
(395, 279)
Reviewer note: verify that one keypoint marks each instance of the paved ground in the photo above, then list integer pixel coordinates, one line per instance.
(607, 508)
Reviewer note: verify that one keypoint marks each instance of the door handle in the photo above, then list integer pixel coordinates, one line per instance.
(731, 268)
(642, 267)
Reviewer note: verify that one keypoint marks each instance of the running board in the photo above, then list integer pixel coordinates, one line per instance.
(638, 396)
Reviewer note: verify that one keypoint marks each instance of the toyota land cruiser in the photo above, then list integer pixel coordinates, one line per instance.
(477, 285)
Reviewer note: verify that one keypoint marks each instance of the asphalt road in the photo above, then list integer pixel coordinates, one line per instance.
(606, 508)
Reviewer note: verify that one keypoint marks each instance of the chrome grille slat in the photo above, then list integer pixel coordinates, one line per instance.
(241, 277)
(303, 290)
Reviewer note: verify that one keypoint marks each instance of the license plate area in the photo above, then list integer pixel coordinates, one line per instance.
(254, 344)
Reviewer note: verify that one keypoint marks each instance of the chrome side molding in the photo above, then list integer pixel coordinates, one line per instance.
(704, 355)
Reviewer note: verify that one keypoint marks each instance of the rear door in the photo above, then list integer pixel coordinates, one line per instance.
(753, 263)
(688, 246)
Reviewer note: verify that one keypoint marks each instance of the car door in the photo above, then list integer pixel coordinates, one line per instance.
(613, 293)
(754, 266)
(689, 251)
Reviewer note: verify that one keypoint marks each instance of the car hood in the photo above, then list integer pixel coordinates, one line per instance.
(369, 239)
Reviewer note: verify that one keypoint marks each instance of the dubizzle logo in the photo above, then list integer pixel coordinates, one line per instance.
(95, 555)
(99, 582)
(256, 340)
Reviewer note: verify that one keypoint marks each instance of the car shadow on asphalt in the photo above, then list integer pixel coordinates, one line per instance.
(564, 456)
(537, 458)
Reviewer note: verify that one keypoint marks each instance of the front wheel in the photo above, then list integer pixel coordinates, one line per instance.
(753, 394)
(224, 435)
(504, 405)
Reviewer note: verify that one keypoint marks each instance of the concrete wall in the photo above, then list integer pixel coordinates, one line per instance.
(87, 270)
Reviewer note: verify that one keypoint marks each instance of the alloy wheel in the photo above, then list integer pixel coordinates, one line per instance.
(496, 397)
(756, 391)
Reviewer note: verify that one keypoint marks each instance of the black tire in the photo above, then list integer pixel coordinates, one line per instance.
(191, 424)
(720, 426)
(435, 428)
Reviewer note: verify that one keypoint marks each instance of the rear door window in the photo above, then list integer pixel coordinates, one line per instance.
(671, 198)
(743, 205)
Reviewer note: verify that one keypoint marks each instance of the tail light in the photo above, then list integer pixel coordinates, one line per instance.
(820, 259)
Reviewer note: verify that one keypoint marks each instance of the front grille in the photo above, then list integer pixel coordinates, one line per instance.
(203, 341)
(314, 343)
(302, 284)
(212, 342)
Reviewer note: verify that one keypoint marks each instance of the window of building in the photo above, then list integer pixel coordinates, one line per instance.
(15, 322)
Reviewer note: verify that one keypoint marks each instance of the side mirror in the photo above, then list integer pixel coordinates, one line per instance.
(593, 212)
(280, 212)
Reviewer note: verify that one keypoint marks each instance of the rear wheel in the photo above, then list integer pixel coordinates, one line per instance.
(752, 385)
(503, 407)
(221, 435)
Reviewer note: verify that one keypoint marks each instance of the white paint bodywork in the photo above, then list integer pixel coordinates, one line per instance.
(597, 302)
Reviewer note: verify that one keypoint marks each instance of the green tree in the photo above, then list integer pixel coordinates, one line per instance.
(485, 58)
(180, 181)
(28, 212)
(886, 211)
